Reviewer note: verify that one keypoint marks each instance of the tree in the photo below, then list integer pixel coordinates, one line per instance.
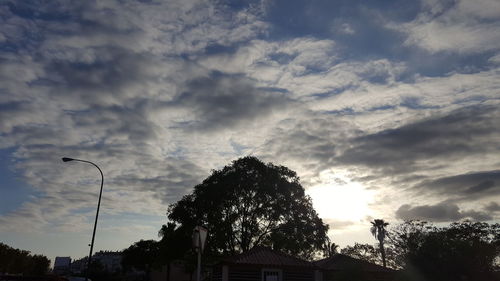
(141, 255)
(364, 252)
(379, 232)
(407, 237)
(330, 249)
(18, 261)
(249, 203)
(39, 265)
(463, 251)
(174, 243)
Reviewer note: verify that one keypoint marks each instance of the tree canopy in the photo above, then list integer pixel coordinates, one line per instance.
(250, 203)
(141, 255)
(463, 251)
(18, 261)
(364, 252)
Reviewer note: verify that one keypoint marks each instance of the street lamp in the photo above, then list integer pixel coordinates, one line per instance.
(66, 159)
(199, 237)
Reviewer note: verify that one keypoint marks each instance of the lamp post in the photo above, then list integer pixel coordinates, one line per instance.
(66, 159)
(199, 237)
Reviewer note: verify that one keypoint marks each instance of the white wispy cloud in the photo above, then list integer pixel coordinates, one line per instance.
(461, 26)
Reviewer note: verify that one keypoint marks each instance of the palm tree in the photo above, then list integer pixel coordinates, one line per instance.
(170, 246)
(331, 249)
(379, 232)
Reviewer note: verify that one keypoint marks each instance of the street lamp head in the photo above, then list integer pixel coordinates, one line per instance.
(66, 159)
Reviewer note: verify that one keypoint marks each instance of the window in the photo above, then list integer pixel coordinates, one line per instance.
(271, 275)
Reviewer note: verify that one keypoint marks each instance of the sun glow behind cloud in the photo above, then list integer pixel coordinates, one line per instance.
(338, 198)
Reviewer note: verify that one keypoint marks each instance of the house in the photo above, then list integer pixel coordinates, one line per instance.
(264, 264)
(342, 267)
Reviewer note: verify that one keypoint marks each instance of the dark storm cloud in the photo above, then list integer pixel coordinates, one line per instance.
(464, 132)
(221, 101)
(441, 212)
(466, 186)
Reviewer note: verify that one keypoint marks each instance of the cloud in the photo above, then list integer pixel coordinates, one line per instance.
(492, 207)
(468, 186)
(307, 142)
(339, 224)
(176, 178)
(85, 80)
(441, 212)
(339, 20)
(223, 102)
(457, 26)
(462, 133)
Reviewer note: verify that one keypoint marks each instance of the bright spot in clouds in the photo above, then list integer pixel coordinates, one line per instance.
(338, 198)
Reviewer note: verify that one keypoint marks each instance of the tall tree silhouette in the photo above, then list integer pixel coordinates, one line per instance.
(250, 203)
(174, 244)
(379, 232)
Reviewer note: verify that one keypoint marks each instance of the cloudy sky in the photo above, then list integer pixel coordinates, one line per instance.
(385, 109)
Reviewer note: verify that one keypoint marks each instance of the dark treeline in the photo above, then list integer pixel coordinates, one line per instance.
(419, 250)
(461, 251)
(16, 261)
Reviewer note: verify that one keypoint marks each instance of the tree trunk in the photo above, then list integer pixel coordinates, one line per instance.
(382, 251)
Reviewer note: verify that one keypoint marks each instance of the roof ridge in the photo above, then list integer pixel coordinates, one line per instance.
(280, 257)
(329, 261)
(280, 253)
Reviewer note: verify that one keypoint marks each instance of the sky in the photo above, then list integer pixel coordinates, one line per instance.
(385, 109)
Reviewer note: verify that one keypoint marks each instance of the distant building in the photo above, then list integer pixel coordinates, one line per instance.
(62, 265)
(111, 261)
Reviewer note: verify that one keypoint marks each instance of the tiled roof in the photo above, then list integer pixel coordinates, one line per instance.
(268, 257)
(343, 262)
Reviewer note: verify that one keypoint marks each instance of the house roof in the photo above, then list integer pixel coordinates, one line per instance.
(343, 262)
(267, 257)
